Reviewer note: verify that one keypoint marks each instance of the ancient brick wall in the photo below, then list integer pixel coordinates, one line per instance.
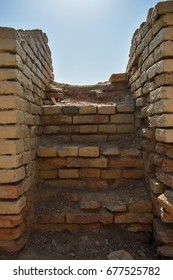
(150, 70)
(25, 70)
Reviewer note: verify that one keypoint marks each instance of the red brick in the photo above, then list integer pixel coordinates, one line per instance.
(125, 162)
(11, 191)
(126, 218)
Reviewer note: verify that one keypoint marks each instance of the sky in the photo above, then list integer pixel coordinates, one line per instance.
(89, 39)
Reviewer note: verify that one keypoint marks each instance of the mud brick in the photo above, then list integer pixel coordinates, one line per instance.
(88, 119)
(47, 174)
(133, 173)
(161, 94)
(125, 108)
(156, 186)
(11, 175)
(166, 217)
(10, 221)
(87, 109)
(59, 119)
(110, 151)
(89, 152)
(67, 151)
(87, 162)
(55, 218)
(126, 218)
(68, 173)
(125, 162)
(122, 118)
(61, 129)
(11, 191)
(70, 109)
(52, 109)
(111, 174)
(125, 128)
(88, 128)
(106, 109)
(46, 152)
(12, 233)
(12, 207)
(89, 173)
(52, 163)
(164, 135)
(110, 128)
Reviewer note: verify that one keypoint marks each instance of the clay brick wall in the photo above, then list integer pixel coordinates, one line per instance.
(150, 70)
(25, 70)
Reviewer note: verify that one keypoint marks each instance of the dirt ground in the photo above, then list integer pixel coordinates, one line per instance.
(85, 245)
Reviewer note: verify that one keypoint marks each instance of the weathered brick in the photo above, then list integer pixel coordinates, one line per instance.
(11, 146)
(10, 221)
(167, 165)
(10, 60)
(89, 173)
(166, 201)
(89, 138)
(141, 206)
(70, 109)
(87, 109)
(160, 229)
(52, 109)
(87, 218)
(160, 94)
(11, 161)
(12, 233)
(59, 119)
(165, 178)
(12, 207)
(126, 218)
(133, 173)
(122, 118)
(47, 174)
(165, 120)
(166, 217)
(11, 117)
(8, 191)
(109, 128)
(126, 128)
(110, 151)
(52, 163)
(14, 131)
(165, 250)
(12, 175)
(156, 186)
(67, 183)
(125, 108)
(61, 129)
(88, 119)
(11, 87)
(89, 152)
(106, 109)
(131, 152)
(164, 135)
(67, 151)
(68, 173)
(125, 162)
(87, 162)
(88, 128)
(46, 152)
(111, 174)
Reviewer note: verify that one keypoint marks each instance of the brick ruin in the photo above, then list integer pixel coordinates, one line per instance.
(75, 157)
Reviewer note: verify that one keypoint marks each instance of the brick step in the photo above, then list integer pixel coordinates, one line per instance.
(89, 165)
(126, 205)
(85, 118)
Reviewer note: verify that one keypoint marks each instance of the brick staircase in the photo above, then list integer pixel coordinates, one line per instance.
(90, 165)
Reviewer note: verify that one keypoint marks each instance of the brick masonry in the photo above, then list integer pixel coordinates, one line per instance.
(86, 146)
